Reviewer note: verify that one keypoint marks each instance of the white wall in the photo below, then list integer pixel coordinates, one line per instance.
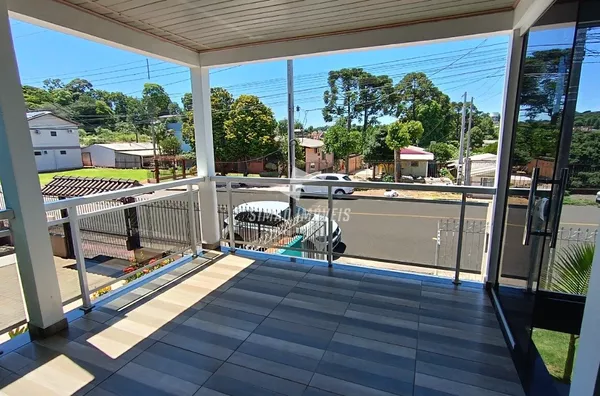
(101, 156)
(57, 159)
(419, 170)
(67, 134)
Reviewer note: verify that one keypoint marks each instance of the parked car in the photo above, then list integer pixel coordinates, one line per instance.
(337, 190)
(255, 219)
(598, 197)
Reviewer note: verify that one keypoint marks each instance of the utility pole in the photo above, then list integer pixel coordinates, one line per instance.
(148, 68)
(291, 138)
(459, 178)
(468, 163)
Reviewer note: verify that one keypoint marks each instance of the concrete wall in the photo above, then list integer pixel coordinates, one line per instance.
(316, 157)
(101, 156)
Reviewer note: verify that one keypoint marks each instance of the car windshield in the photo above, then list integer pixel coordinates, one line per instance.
(347, 178)
(300, 212)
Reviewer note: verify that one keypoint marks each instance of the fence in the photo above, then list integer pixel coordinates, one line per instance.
(271, 231)
(474, 244)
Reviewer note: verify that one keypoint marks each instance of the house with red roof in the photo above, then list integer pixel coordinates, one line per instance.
(414, 161)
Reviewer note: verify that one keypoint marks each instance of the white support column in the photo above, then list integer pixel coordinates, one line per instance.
(509, 112)
(587, 363)
(22, 194)
(205, 156)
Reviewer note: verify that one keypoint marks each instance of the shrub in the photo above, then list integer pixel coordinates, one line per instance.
(271, 167)
(269, 174)
(444, 172)
(387, 179)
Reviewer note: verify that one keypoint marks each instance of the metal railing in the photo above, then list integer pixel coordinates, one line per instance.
(108, 222)
(463, 191)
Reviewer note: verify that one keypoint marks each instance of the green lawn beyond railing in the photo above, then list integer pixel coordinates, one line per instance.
(135, 174)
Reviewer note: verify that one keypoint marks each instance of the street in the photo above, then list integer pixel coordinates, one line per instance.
(405, 230)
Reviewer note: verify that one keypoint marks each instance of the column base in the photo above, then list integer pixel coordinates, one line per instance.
(37, 333)
(212, 246)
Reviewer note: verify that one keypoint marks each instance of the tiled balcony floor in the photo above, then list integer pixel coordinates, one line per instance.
(244, 327)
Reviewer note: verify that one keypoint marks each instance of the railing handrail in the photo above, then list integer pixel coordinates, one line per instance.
(355, 184)
(71, 202)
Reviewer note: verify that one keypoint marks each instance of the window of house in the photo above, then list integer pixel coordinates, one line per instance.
(322, 155)
(37, 153)
(414, 164)
(316, 151)
(52, 133)
(63, 152)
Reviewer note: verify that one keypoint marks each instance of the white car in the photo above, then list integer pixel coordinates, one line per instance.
(337, 190)
(256, 219)
(598, 197)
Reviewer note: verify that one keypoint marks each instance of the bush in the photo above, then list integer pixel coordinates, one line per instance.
(585, 180)
(269, 174)
(444, 172)
(387, 179)
(271, 167)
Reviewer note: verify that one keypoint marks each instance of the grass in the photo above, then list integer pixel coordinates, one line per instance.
(136, 174)
(579, 201)
(553, 346)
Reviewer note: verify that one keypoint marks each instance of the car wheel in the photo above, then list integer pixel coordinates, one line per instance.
(339, 191)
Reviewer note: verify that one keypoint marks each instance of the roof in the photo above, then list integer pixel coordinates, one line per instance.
(414, 153)
(485, 157)
(139, 153)
(35, 114)
(74, 186)
(310, 143)
(126, 146)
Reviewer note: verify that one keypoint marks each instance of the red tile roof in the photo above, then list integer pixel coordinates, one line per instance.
(74, 186)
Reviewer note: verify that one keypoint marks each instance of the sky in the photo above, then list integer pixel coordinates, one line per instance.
(475, 66)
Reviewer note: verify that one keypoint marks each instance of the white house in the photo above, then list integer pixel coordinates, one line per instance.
(55, 141)
(120, 155)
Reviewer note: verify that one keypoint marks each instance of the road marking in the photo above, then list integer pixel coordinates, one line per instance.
(466, 218)
(411, 215)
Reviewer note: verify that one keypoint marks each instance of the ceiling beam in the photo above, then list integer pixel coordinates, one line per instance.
(407, 34)
(527, 12)
(77, 22)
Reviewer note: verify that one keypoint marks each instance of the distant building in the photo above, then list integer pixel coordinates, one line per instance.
(317, 159)
(177, 128)
(413, 160)
(120, 155)
(55, 142)
(495, 117)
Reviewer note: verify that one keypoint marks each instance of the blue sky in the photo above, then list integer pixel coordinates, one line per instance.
(475, 65)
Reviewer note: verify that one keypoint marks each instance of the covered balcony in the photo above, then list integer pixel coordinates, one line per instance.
(179, 288)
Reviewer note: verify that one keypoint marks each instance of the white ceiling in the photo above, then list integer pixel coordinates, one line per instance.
(202, 25)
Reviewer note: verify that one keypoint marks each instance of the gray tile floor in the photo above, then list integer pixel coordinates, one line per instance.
(246, 327)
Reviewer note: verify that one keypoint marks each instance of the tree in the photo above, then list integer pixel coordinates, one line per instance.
(91, 113)
(477, 137)
(443, 152)
(342, 143)
(250, 129)
(543, 77)
(35, 96)
(155, 100)
(375, 98)
(186, 101)
(174, 109)
(400, 135)
(170, 145)
(343, 96)
(78, 87)
(572, 271)
(418, 99)
(51, 84)
(375, 149)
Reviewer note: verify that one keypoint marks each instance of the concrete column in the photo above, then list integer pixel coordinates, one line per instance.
(22, 194)
(205, 157)
(587, 362)
(507, 128)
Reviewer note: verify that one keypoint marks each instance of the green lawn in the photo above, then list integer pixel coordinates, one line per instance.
(136, 174)
(553, 347)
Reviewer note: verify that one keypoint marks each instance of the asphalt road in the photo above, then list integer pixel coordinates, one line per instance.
(405, 230)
